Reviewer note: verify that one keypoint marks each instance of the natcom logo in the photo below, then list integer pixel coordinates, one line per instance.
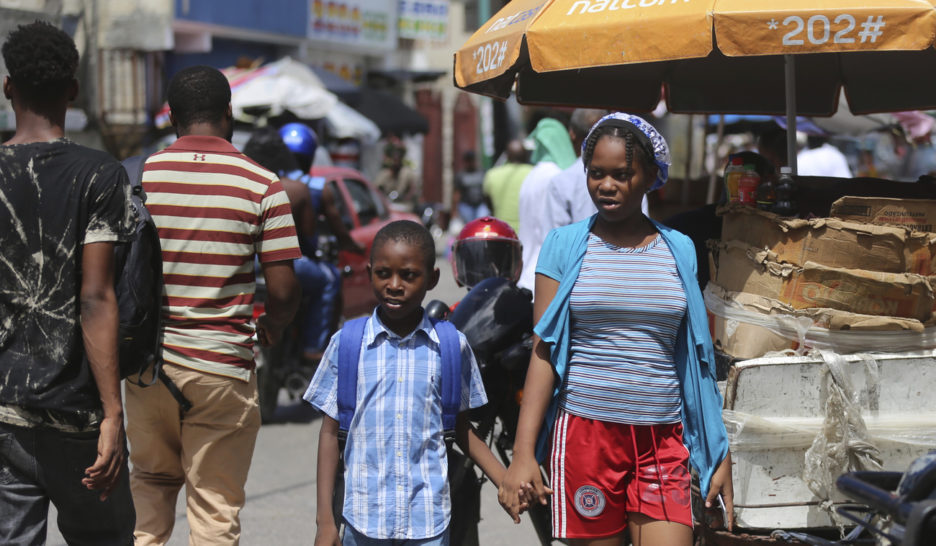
(597, 6)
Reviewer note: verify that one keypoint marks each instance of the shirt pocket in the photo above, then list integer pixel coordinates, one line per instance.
(427, 379)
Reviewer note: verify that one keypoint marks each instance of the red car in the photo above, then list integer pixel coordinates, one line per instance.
(364, 210)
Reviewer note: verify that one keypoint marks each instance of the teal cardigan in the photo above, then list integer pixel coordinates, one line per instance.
(703, 429)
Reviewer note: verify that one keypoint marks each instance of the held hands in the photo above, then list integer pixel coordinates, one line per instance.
(105, 471)
(722, 485)
(521, 487)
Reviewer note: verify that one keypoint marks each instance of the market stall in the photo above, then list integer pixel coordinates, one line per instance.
(846, 292)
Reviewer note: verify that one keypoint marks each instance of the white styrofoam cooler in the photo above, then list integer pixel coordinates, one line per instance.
(776, 406)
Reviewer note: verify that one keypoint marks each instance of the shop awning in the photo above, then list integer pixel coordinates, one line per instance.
(390, 113)
(346, 91)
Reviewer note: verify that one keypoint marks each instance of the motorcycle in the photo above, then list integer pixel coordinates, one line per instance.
(891, 508)
(283, 365)
(496, 318)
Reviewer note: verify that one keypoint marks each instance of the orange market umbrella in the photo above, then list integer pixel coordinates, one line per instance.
(708, 56)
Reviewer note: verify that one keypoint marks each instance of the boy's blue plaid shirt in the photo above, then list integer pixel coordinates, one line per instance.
(396, 469)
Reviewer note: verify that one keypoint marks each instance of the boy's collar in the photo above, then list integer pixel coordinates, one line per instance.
(377, 327)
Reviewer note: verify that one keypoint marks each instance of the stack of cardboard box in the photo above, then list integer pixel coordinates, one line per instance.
(849, 272)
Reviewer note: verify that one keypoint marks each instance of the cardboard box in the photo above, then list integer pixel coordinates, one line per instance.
(914, 214)
(742, 339)
(738, 267)
(832, 242)
(746, 325)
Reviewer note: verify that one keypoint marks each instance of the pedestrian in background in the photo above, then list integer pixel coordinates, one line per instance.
(321, 280)
(216, 211)
(502, 184)
(396, 178)
(63, 207)
(468, 197)
(552, 152)
(567, 199)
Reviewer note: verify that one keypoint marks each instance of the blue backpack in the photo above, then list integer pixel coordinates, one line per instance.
(349, 352)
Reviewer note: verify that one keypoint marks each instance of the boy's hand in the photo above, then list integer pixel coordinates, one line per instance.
(525, 498)
(326, 534)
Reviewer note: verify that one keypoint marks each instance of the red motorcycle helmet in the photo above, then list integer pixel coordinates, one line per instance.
(486, 247)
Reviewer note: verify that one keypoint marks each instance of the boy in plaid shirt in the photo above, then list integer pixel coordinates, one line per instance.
(396, 480)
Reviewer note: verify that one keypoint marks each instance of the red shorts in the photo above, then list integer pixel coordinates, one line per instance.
(600, 471)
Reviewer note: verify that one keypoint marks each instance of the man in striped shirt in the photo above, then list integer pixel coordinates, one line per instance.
(216, 211)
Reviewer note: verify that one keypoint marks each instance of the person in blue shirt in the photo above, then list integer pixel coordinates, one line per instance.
(396, 481)
(623, 371)
(321, 280)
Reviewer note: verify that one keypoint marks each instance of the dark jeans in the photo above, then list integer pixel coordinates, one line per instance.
(38, 465)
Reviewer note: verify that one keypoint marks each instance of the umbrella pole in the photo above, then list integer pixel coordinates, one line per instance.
(689, 152)
(790, 93)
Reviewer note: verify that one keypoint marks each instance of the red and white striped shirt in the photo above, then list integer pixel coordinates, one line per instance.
(215, 210)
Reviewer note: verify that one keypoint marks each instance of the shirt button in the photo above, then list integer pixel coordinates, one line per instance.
(399, 416)
(399, 488)
(400, 379)
(399, 453)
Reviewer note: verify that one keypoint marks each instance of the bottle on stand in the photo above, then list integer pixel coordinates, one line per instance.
(732, 176)
(766, 194)
(747, 186)
(784, 204)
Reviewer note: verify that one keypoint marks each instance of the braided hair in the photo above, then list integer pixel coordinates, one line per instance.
(616, 131)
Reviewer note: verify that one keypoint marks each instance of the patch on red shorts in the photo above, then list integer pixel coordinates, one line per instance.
(589, 501)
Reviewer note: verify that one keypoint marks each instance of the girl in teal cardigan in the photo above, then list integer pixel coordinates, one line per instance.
(624, 157)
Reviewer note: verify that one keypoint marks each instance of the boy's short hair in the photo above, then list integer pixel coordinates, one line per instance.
(407, 231)
(198, 94)
(42, 61)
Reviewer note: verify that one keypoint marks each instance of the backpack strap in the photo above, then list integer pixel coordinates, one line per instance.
(450, 348)
(349, 355)
(134, 167)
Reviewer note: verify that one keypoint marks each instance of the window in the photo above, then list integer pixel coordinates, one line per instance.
(342, 207)
(369, 208)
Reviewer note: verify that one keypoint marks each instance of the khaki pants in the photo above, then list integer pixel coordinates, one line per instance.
(208, 449)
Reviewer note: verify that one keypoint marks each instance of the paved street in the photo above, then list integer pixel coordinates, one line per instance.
(280, 506)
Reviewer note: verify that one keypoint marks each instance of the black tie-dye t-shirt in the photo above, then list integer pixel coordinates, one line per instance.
(54, 197)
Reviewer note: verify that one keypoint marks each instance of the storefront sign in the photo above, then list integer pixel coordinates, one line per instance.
(364, 24)
(424, 19)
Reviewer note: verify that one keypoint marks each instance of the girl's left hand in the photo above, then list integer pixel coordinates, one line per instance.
(721, 484)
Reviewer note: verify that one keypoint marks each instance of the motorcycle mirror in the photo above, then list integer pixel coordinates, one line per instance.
(437, 310)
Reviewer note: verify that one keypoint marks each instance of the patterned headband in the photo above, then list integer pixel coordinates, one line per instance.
(653, 139)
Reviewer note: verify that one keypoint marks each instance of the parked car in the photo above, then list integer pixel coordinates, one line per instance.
(364, 210)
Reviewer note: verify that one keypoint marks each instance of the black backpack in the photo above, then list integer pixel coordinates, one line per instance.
(139, 286)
